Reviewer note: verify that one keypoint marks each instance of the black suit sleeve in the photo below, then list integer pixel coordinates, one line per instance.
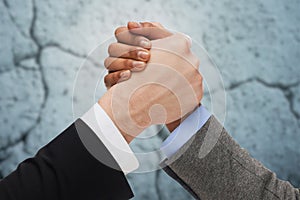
(64, 169)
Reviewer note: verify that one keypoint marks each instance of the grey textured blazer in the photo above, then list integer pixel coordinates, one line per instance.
(227, 172)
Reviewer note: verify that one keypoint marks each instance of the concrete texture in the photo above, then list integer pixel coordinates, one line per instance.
(254, 43)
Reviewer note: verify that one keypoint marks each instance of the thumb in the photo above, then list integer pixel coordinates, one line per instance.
(151, 30)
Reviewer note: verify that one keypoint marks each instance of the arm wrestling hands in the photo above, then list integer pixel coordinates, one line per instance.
(164, 84)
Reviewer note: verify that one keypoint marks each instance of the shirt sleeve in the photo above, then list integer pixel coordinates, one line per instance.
(185, 131)
(110, 136)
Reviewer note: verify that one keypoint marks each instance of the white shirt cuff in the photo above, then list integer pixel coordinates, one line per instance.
(110, 136)
(189, 127)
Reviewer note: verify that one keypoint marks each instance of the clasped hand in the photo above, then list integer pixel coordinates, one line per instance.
(153, 78)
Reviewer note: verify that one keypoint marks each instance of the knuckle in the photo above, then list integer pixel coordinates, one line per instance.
(139, 39)
(116, 77)
(200, 79)
(147, 24)
(107, 62)
(197, 62)
(119, 30)
(157, 24)
(133, 52)
(200, 95)
(106, 81)
(184, 45)
(128, 63)
(197, 77)
(111, 48)
(189, 40)
(199, 87)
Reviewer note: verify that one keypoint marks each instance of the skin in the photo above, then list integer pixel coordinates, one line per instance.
(130, 55)
(131, 39)
(120, 68)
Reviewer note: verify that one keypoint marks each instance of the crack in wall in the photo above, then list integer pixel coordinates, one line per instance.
(37, 57)
(13, 20)
(38, 61)
(25, 134)
(3, 157)
(71, 52)
(235, 85)
(6, 3)
(157, 188)
(3, 71)
(26, 68)
(17, 60)
(284, 88)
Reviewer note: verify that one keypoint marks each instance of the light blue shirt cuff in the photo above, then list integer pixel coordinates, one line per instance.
(185, 131)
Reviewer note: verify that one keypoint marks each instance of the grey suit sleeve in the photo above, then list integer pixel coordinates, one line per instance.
(226, 172)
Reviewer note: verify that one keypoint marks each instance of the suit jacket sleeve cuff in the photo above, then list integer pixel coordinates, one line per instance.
(110, 136)
(185, 131)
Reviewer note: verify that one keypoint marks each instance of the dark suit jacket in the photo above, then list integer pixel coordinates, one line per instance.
(64, 169)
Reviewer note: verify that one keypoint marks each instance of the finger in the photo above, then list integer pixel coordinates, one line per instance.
(117, 64)
(151, 30)
(116, 77)
(120, 50)
(123, 35)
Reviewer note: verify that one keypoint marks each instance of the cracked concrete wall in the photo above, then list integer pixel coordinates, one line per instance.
(254, 43)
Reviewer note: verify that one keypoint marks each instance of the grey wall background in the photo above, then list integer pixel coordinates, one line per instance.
(254, 43)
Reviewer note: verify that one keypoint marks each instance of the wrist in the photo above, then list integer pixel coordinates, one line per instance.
(173, 125)
(128, 133)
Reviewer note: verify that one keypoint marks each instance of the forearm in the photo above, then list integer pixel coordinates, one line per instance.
(121, 120)
(227, 171)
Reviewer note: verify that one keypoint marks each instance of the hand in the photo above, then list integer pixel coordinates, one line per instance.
(134, 34)
(131, 52)
(169, 60)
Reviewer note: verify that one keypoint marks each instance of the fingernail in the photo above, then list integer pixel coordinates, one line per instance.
(145, 44)
(135, 24)
(124, 75)
(143, 55)
(137, 66)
